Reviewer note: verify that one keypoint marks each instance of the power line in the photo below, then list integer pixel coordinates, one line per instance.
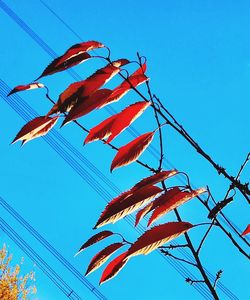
(50, 248)
(46, 269)
(50, 51)
(17, 106)
(133, 131)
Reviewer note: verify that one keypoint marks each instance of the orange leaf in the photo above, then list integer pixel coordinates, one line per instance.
(115, 124)
(101, 257)
(73, 56)
(87, 105)
(37, 127)
(26, 87)
(114, 267)
(171, 200)
(130, 152)
(153, 179)
(94, 239)
(78, 91)
(157, 236)
(246, 231)
(120, 207)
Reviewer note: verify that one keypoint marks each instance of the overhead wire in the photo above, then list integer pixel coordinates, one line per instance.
(61, 152)
(17, 105)
(132, 130)
(51, 249)
(52, 53)
(44, 266)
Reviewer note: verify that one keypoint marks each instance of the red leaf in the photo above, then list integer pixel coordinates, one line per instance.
(114, 267)
(35, 128)
(101, 131)
(157, 236)
(118, 208)
(73, 56)
(78, 91)
(130, 152)
(26, 87)
(153, 179)
(101, 257)
(151, 206)
(114, 125)
(87, 105)
(172, 200)
(94, 239)
(246, 231)
(138, 77)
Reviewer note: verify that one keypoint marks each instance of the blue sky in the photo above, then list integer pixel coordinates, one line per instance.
(199, 63)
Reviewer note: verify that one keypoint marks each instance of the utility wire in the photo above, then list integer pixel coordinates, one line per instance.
(50, 248)
(133, 131)
(48, 271)
(50, 51)
(17, 106)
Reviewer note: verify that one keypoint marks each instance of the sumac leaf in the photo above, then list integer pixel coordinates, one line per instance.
(115, 124)
(35, 128)
(73, 56)
(246, 231)
(114, 267)
(94, 239)
(101, 257)
(118, 209)
(170, 202)
(157, 236)
(30, 86)
(131, 151)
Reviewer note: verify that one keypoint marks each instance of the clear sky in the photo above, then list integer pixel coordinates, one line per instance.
(199, 63)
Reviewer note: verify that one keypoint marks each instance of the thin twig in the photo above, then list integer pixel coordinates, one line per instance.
(156, 118)
(204, 237)
(174, 246)
(218, 276)
(191, 281)
(167, 253)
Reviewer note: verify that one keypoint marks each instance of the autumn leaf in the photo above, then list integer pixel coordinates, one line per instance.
(157, 236)
(35, 128)
(137, 78)
(101, 131)
(118, 209)
(94, 239)
(131, 151)
(114, 267)
(73, 56)
(79, 91)
(30, 86)
(171, 200)
(246, 231)
(101, 257)
(155, 178)
(115, 124)
(89, 104)
(155, 203)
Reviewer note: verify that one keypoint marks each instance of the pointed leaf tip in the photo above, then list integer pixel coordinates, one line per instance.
(114, 267)
(131, 151)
